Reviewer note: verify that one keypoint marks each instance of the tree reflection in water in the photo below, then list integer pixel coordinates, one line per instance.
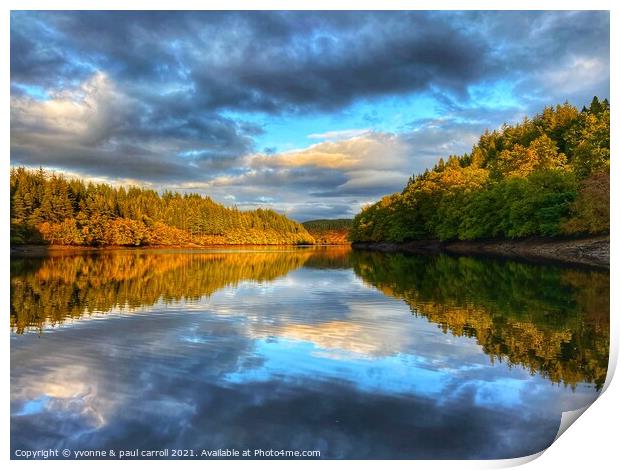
(552, 320)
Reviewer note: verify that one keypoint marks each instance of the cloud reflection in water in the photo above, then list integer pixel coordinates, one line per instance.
(308, 358)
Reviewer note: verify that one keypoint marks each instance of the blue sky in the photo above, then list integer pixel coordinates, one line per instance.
(311, 113)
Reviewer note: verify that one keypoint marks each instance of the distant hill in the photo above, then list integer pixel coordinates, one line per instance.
(328, 224)
(329, 231)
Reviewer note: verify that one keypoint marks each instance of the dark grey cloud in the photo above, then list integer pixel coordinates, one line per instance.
(181, 98)
(550, 57)
(278, 61)
(98, 129)
(274, 61)
(531, 39)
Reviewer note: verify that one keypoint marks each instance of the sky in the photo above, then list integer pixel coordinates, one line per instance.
(313, 114)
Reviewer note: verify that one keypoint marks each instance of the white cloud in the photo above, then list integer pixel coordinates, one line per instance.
(87, 114)
(576, 74)
(372, 150)
(325, 178)
(339, 135)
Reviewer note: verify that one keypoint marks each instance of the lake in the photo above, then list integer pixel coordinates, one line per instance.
(353, 354)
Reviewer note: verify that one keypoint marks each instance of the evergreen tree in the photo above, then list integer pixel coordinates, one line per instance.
(48, 208)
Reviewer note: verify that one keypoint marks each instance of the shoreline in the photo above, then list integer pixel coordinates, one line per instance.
(42, 250)
(591, 251)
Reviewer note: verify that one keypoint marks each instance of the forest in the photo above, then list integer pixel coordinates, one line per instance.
(546, 176)
(329, 231)
(47, 208)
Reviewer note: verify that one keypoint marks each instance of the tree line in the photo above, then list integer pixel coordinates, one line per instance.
(545, 176)
(50, 208)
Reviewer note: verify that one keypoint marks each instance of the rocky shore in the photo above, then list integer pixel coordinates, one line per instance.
(591, 251)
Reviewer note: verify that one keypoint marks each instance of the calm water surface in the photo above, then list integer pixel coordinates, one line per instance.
(354, 354)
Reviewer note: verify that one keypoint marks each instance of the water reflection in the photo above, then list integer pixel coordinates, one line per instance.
(302, 349)
(553, 321)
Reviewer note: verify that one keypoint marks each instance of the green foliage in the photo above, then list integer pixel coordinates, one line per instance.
(542, 177)
(536, 205)
(49, 208)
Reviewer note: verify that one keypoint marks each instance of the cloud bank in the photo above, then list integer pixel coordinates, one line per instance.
(311, 113)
